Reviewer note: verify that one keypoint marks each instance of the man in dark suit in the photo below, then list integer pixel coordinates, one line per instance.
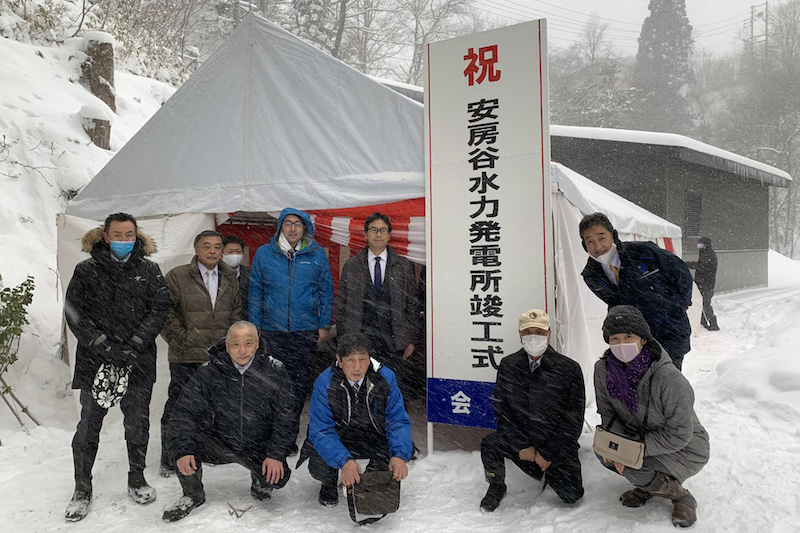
(377, 296)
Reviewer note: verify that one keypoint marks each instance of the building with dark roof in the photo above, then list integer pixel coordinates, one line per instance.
(705, 190)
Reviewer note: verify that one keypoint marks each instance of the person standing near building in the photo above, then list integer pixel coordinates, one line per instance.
(116, 304)
(378, 297)
(643, 275)
(204, 302)
(291, 297)
(706, 278)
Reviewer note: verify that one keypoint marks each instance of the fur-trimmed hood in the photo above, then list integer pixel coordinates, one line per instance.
(95, 236)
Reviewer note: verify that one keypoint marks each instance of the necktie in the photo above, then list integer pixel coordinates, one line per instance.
(355, 391)
(378, 281)
(211, 285)
(290, 253)
(615, 270)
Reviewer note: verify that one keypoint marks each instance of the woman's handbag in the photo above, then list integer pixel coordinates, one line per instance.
(610, 445)
(618, 448)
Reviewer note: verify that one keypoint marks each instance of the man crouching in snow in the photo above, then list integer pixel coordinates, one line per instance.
(237, 408)
(539, 401)
(357, 412)
(116, 304)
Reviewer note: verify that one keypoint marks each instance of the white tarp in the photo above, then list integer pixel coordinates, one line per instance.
(267, 121)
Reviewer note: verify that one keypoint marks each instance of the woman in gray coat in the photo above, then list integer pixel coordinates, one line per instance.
(640, 392)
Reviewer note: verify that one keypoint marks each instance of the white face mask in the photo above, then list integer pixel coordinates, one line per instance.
(233, 260)
(700, 245)
(625, 352)
(607, 257)
(535, 345)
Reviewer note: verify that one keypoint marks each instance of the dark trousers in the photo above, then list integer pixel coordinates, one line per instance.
(382, 350)
(135, 406)
(709, 319)
(179, 376)
(676, 346)
(565, 477)
(378, 456)
(215, 451)
(295, 350)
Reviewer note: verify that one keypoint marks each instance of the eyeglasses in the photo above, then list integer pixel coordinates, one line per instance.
(289, 224)
(382, 231)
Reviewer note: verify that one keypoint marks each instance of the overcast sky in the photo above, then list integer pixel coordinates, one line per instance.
(717, 23)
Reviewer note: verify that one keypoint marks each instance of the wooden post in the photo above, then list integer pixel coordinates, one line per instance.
(98, 70)
(99, 131)
(101, 71)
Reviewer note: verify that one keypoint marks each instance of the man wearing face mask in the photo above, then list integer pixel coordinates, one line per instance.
(539, 403)
(641, 396)
(643, 275)
(232, 255)
(116, 304)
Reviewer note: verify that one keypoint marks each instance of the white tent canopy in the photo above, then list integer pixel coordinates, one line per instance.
(267, 121)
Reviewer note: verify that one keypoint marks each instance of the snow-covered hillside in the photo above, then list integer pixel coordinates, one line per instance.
(45, 156)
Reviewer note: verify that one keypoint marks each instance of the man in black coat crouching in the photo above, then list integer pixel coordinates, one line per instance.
(539, 402)
(237, 408)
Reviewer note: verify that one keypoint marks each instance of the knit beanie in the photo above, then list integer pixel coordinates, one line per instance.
(626, 319)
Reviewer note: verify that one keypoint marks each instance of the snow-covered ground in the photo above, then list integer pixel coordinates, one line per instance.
(747, 385)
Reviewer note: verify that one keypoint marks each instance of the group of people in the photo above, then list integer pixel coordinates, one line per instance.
(641, 394)
(241, 341)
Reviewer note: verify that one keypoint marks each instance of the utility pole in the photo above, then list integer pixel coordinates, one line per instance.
(766, 33)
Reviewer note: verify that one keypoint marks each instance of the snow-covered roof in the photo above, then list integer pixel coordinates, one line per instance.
(691, 151)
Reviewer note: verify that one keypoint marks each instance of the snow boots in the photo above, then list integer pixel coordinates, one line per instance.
(182, 508)
(328, 495)
(635, 498)
(193, 496)
(258, 490)
(83, 460)
(684, 510)
(78, 506)
(494, 496)
(139, 490)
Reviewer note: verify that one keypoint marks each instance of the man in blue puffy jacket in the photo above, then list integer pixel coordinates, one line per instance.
(291, 296)
(357, 412)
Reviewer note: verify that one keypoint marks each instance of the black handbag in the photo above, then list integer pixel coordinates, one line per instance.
(375, 496)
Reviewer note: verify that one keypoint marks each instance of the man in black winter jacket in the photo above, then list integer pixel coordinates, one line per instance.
(643, 275)
(539, 402)
(706, 278)
(116, 304)
(237, 408)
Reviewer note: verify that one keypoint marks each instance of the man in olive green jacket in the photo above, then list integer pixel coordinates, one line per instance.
(204, 302)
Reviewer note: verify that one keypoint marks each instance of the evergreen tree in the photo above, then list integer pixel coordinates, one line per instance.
(663, 69)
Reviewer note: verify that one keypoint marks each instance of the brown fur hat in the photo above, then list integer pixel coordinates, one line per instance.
(95, 235)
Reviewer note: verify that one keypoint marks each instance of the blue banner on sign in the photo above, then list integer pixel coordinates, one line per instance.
(461, 403)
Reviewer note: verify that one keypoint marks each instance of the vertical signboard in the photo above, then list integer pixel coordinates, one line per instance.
(488, 212)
